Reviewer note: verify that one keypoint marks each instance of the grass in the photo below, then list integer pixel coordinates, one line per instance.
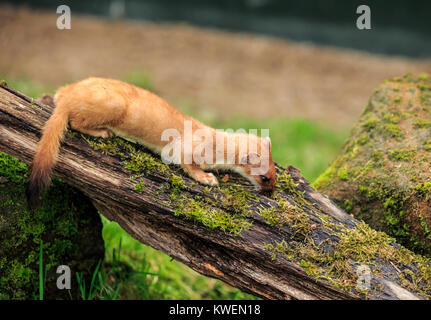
(154, 275)
(41, 277)
(132, 270)
(27, 86)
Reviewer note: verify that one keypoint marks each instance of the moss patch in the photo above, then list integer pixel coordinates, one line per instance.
(287, 213)
(68, 225)
(401, 155)
(376, 179)
(198, 209)
(360, 246)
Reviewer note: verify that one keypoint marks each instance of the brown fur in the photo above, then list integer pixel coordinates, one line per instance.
(101, 107)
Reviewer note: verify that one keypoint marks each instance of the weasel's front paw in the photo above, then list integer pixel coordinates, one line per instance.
(208, 178)
(106, 133)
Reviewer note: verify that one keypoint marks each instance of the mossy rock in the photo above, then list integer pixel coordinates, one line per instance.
(383, 175)
(67, 224)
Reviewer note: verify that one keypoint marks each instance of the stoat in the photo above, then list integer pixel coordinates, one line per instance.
(104, 107)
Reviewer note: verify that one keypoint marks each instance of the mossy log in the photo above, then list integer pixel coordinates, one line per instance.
(294, 244)
(66, 226)
(383, 175)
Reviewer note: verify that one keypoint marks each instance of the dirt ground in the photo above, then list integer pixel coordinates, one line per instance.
(228, 73)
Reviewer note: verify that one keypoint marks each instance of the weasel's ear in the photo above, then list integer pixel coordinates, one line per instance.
(251, 158)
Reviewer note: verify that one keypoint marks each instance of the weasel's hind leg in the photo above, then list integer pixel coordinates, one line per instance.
(94, 114)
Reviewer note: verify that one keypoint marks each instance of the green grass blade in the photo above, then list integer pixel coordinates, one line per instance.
(41, 271)
(96, 271)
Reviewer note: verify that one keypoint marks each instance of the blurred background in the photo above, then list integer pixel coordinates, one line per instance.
(300, 68)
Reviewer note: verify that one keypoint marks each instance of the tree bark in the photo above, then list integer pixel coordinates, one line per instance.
(383, 175)
(295, 244)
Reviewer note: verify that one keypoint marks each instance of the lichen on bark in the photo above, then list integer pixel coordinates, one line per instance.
(383, 174)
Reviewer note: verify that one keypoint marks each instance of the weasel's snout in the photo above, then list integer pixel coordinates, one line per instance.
(267, 186)
(267, 189)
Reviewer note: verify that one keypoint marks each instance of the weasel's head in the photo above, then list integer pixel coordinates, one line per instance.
(258, 167)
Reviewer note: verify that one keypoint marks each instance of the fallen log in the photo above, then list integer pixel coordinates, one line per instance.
(383, 174)
(294, 244)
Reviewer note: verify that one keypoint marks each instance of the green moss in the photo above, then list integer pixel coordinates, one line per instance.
(420, 123)
(392, 118)
(285, 183)
(60, 223)
(363, 139)
(343, 174)
(107, 146)
(425, 98)
(145, 163)
(12, 169)
(377, 155)
(397, 100)
(384, 171)
(356, 247)
(132, 158)
(424, 225)
(325, 179)
(348, 205)
(374, 189)
(177, 183)
(393, 202)
(392, 130)
(206, 190)
(424, 77)
(393, 214)
(236, 198)
(401, 155)
(406, 115)
(427, 144)
(424, 87)
(367, 191)
(424, 189)
(371, 124)
(197, 209)
(138, 161)
(286, 213)
(140, 186)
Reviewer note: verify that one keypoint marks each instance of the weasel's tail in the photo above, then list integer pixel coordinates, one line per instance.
(46, 155)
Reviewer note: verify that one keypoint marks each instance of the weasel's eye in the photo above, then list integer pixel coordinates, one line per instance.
(264, 179)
